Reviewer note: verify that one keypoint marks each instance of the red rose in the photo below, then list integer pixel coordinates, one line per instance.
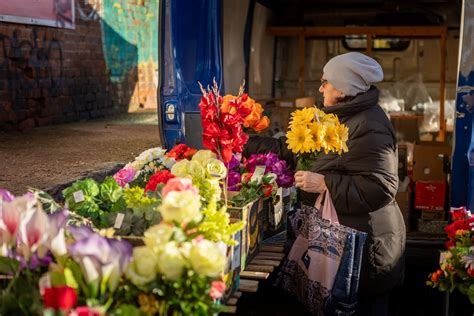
(246, 177)
(62, 297)
(159, 177)
(267, 190)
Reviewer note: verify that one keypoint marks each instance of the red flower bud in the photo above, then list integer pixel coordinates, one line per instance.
(62, 297)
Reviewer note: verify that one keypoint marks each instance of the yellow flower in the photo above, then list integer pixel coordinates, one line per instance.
(300, 139)
(302, 117)
(318, 132)
(331, 140)
(329, 119)
(343, 134)
(148, 304)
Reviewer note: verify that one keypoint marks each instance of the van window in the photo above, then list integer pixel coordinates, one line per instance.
(359, 42)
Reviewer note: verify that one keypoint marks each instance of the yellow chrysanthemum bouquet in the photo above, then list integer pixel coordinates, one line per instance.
(312, 132)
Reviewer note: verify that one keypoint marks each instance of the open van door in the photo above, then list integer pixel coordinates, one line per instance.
(190, 51)
(462, 182)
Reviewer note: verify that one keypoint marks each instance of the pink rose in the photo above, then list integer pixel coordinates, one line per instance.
(124, 176)
(178, 184)
(217, 290)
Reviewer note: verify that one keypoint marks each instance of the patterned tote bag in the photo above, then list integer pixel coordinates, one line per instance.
(323, 266)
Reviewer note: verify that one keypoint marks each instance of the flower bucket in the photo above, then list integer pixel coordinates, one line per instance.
(251, 235)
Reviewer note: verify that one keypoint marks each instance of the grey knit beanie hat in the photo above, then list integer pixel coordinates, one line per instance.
(352, 73)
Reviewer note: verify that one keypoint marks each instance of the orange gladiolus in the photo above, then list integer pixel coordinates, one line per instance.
(262, 124)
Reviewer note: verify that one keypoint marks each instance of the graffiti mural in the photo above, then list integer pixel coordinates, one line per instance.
(136, 23)
(33, 68)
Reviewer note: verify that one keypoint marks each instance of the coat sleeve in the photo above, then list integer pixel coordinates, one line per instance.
(367, 179)
(263, 145)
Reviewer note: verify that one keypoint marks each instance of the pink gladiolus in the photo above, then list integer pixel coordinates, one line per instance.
(217, 290)
(124, 176)
(178, 184)
(12, 213)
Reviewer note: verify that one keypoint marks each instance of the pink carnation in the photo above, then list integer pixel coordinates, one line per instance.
(178, 184)
(124, 176)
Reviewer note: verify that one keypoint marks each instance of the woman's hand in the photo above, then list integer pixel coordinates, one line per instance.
(310, 181)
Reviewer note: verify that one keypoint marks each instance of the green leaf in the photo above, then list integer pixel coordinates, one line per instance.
(8, 265)
(127, 310)
(57, 279)
(70, 279)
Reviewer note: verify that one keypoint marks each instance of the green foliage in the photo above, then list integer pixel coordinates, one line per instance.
(216, 226)
(97, 199)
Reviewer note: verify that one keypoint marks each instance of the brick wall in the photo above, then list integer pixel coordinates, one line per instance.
(106, 65)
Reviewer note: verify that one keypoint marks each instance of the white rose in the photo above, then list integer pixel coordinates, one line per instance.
(181, 206)
(171, 262)
(196, 170)
(202, 155)
(142, 269)
(180, 169)
(158, 235)
(215, 169)
(207, 258)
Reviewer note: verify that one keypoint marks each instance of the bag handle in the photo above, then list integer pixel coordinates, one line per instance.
(325, 205)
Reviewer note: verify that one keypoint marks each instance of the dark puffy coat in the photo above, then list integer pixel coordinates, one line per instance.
(363, 183)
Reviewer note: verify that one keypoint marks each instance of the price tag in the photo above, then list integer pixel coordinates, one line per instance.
(78, 196)
(259, 172)
(442, 257)
(119, 220)
(278, 207)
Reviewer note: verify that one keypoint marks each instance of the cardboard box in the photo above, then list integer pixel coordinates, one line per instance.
(430, 195)
(406, 126)
(404, 202)
(428, 164)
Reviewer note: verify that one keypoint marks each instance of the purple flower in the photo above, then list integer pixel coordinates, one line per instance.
(100, 258)
(124, 176)
(233, 163)
(6, 195)
(233, 181)
(272, 164)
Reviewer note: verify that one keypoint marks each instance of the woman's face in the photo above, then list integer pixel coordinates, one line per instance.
(330, 94)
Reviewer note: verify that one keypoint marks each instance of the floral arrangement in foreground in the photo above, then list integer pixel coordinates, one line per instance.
(179, 269)
(456, 269)
(311, 131)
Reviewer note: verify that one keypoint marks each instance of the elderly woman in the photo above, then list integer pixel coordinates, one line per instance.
(362, 182)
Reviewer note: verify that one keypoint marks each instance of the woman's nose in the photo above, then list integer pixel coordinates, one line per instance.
(321, 89)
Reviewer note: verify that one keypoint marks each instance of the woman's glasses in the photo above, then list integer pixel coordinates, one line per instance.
(323, 82)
